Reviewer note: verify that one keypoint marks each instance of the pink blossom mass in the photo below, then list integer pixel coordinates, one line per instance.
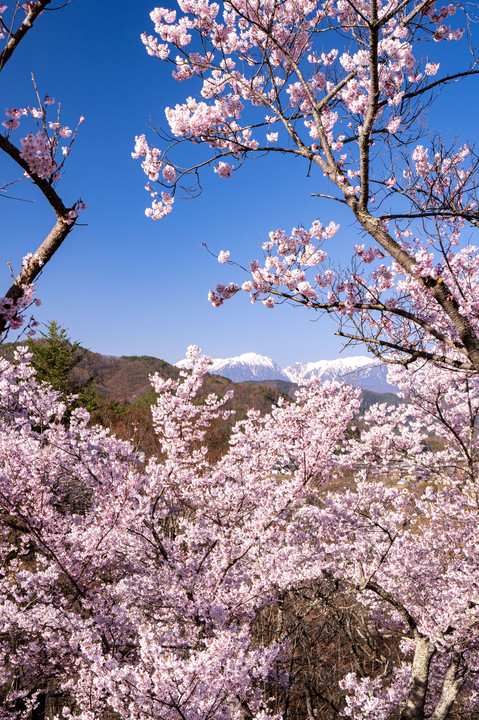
(322, 563)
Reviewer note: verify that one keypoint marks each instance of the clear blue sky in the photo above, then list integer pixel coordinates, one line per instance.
(124, 284)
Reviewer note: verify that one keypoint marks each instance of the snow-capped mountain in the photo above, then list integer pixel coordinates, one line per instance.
(370, 377)
(248, 366)
(326, 369)
(358, 370)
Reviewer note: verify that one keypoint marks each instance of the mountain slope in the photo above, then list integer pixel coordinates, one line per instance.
(370, 397)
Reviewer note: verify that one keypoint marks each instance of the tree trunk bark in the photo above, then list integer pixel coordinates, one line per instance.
(453, 683)
(414, 707)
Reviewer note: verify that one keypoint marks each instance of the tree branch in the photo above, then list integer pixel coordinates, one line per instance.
(34, 10)
(414, 354)
(42, 184)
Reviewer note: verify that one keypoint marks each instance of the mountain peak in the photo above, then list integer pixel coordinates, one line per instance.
(247, 366)
(251, 357)
(324, 368)
(358, 370)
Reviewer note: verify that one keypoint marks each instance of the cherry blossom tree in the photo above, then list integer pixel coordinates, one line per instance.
(40, 156)
(407, 547)
(345, 85)
(135, 590)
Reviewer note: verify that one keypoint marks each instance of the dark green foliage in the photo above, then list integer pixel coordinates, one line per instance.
(371, 398)
(7, 348)
(269, 396)
(55, 357)
(146, 359)
(146, 400)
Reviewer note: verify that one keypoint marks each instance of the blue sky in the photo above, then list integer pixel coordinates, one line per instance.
(124, 284)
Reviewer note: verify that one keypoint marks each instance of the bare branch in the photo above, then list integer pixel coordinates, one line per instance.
(34, 10)
(410, 354)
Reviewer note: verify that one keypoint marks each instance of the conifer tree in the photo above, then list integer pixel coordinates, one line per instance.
(55, 357)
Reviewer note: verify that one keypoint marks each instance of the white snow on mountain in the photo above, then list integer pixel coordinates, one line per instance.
(248, 366)
(326, 369)
(358, 370)
(370, 377)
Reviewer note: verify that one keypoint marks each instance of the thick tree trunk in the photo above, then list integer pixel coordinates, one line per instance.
(62, 228)
(453, 682)
(414, 707)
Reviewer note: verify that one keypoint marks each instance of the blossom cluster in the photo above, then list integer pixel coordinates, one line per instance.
(261, 65)
(152, 165)
(39, 150)
(284, 269)
(106, 566)
(131, 587)
(12, 313)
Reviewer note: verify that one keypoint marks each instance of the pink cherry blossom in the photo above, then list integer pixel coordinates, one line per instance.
(223, 256)
(224, 170)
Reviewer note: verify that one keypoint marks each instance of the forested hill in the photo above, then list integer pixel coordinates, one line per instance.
(122, 379)
(125, 380)
(126, 395)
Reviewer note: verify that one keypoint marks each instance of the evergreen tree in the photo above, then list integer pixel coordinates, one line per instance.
(55, 357)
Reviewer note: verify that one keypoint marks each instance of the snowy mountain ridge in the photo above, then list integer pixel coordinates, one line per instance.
(326, 369)
(359, 370)
(248, 366)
